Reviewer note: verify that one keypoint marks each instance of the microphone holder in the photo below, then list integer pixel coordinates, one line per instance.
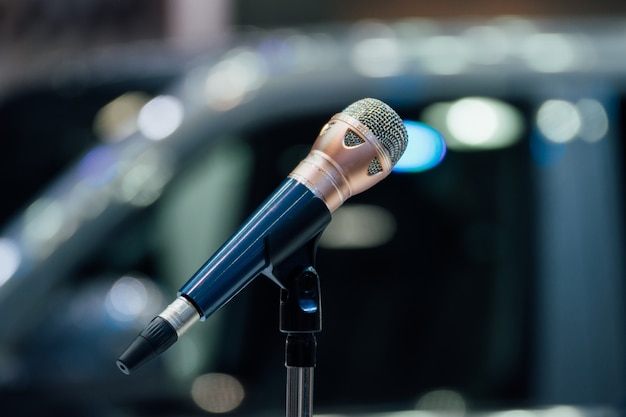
(300, 319)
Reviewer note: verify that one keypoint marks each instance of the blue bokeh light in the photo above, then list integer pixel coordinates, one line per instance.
(425, 150)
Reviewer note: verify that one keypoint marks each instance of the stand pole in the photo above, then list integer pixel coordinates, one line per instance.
(299, 392)
(300, 318)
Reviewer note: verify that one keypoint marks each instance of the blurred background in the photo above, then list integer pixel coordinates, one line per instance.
(485, 276)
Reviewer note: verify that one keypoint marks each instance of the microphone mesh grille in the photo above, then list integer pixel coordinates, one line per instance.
(352, 139)
(383, 122)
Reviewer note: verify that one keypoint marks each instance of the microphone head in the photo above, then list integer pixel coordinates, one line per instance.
(383, 122)
(356, 149)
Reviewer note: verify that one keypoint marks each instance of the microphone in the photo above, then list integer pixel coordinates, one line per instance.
(355, 150)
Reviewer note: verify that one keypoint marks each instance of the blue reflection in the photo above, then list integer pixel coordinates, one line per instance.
(425, 150)
(98, 166)
(308, 306)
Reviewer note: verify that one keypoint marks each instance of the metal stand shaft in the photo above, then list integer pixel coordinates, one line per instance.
(299, 392)
(300, 318)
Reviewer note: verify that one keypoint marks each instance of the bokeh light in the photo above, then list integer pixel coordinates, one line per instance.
(230, 81)
(426, 148)
(142, 181)
(359, 226)
(217, 393)
(160, 117)
(563, 411)
(595, 120)
(118, 119)
(489, 44)
(551, 52)
(514, 413)
(476, 123)
(443, 402)
(132, 299)
(127, 298)
(46, 224)
(377, 57)
(445, 55)
(10, 259)
(558, 120)
(99, 166)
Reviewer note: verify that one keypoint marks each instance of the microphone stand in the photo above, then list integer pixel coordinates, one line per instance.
(300, 319)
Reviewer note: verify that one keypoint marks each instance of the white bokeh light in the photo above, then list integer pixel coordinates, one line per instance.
(472, 121)
(489, 44)
(379, 57)
(445, 55)
(481, 122)
(551, 52)
(230, 81)
(558, 120)
(160, 117)
(10, 259)
(357, 226)
(595, 120)
(127, 299)
(217, 393)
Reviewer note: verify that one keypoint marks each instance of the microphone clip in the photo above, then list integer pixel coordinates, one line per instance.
(300, 305)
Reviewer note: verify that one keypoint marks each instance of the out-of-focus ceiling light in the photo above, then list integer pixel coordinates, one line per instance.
(217, 393)
(489, 44)
(359, 226)
(378, 57)
(561, 121)
(476, 123)
(118, 119)
(551, 52)
(595, 120)
(444, 55)
(558, 120)
(160, 117)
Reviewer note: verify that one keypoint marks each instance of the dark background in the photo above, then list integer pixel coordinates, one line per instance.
(503, 284)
